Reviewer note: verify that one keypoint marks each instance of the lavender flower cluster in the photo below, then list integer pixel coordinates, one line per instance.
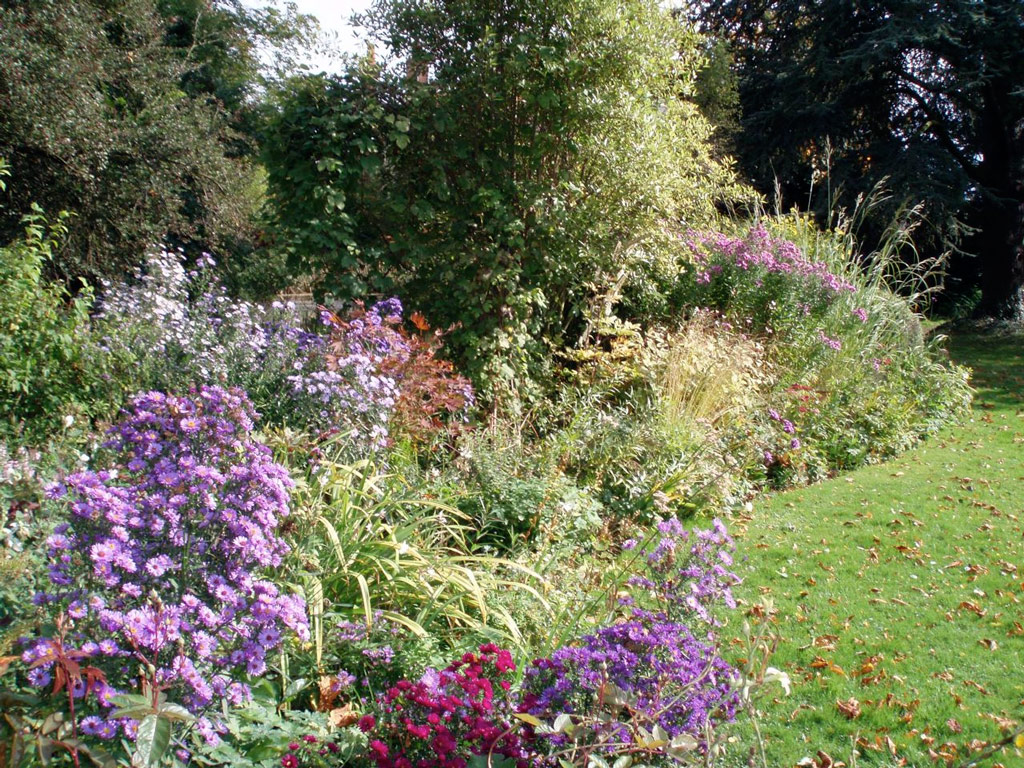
(180, 327)
(173, 327)
(159, 567)
(352, 389)
(760, 253)
(650, 662)
(684, 573)
(392, 373)
(654, 668)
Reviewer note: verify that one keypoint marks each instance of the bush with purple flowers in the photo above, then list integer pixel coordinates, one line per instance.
(160, 571)
(646, 670)
(827, 316)
(371, 350)
(174, 327)
(764, 283)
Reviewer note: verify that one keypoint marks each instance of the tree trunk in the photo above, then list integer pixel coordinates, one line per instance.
(1000, 240)
(1000, 255)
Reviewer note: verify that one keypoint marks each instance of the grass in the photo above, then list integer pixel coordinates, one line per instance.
(899, 592)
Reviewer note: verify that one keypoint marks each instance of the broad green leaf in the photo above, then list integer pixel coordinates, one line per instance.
(152, 741)
(175, 712)
(563, 723)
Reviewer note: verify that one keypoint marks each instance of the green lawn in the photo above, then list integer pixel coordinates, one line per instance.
(901, 587)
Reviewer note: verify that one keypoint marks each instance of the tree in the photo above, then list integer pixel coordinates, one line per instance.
(129, 115)
(928, 95)
(525, 158)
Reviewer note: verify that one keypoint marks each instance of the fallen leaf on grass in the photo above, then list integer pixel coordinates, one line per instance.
(891, 745)
(973, 608)
(850, 709)
(990, 644)
(827, 642)
(1004, 723)
(954, 726)
(820, 663)
(978, 686)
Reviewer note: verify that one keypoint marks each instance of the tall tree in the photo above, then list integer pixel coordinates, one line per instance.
(523, 160)
(129, 114)
(929, 95)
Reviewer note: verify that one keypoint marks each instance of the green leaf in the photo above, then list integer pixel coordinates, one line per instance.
(175, 712)
(136, 712)
(152, 741)
(563, 724)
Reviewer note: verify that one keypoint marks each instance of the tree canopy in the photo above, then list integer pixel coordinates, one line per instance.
(521, 160)
(927, 95)
(132, 115)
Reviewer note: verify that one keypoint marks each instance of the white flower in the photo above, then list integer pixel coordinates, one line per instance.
(772, 674)
(68, 420)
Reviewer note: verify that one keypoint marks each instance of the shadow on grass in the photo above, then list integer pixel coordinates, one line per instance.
(998, 367)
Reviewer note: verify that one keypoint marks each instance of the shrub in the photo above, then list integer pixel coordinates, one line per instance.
(157, 577)
(428, 392)
(44, 376)
(644, 672)
(533, 170)
(369, 549)
(853, 379)
(174, 327)
(515, 497)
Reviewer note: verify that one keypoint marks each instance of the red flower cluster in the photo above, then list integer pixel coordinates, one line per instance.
(445, 716)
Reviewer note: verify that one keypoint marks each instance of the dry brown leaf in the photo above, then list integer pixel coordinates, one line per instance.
(328, 694)
(1004, 723)
(973, 608)
(850, 709)
(954, 726)
(827, 642)
(343, 716)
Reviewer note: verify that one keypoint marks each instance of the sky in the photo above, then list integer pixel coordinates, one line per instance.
(334, 16)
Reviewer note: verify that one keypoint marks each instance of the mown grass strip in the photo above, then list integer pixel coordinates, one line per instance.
(899, 591)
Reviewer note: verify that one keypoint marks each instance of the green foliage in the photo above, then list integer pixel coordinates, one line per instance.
(927, 96)
(44, 375)
(111, 115)
(260, 733)
(516, 498)
(371, 552)
(849, 377)
(532, 157)
(716, 92)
